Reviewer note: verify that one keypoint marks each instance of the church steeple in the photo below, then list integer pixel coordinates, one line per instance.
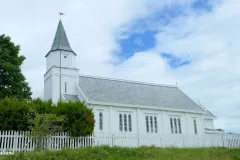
(61, 75)
(61, 41)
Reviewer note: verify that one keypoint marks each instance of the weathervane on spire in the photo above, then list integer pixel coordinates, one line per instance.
(61, 14)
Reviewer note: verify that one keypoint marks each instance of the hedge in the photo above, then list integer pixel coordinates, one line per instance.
(17, 115)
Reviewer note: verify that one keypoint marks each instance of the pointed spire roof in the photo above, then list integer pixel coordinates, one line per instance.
(60, 41)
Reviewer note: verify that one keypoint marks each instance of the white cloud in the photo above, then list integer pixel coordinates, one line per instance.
(210, 40)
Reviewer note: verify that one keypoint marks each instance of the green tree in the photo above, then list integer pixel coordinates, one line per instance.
(12, 81)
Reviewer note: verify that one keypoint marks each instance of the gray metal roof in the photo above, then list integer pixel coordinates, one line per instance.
(135, 93)
(207, 113)
(61, 41)
(69, 97)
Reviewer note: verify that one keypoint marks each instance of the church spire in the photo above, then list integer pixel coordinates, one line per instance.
(61, 41)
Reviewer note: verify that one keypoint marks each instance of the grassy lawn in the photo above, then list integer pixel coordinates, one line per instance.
(142, 153)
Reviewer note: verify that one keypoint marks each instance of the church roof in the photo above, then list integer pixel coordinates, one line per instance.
(207, 113)
(60, 41)
(112, 91)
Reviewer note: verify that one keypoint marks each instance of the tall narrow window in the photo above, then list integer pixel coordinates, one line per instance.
(195, 126)
(179, 126)
(175, 125)
(147, 124)
(129, 123)
(155, 124)
(125, 122)
(151, 123)
(100, 121)
(171, 124)
(65, 87)
(120, 122)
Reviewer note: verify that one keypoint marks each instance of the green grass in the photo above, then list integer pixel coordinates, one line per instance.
(142, 153)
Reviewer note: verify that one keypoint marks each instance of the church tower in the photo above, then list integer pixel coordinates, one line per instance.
(61, 75)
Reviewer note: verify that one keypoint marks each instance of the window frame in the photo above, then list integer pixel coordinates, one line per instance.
(175, 124)
(151, 123)
(120, 122)
(125, 122)
(171, 125)
(179, 126)
(130, 122)
(195, 126)
(155, 124)
(147, 123)
(100, 120)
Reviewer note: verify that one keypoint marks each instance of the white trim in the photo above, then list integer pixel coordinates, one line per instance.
(63, 98)
(110, 119)
(138, 119)
(186, 122)
(144, 107)
(54, 66)
(209, 117)
(162, 122)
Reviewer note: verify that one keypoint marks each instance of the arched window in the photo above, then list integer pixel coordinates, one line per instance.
(129, 123)
(100, 121)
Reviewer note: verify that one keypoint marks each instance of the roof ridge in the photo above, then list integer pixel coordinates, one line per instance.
(129, 81)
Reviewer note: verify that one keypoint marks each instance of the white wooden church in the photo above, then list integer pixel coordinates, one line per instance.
(121, 105)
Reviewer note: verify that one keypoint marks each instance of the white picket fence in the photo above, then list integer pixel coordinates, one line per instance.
(15, 141)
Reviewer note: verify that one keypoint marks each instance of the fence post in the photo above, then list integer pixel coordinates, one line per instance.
(14, 141)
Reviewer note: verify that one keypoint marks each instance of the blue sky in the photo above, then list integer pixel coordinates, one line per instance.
(142, 36)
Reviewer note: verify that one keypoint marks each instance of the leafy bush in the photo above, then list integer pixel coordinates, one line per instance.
(79, 119)
(18, 115)
(44, 125)
(14, 114)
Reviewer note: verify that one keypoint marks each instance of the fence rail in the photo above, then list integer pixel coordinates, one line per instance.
(17, 141)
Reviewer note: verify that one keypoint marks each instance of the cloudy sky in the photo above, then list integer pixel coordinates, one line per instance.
(193, 42)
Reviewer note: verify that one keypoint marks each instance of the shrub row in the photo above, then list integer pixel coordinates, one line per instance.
(17, 115)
